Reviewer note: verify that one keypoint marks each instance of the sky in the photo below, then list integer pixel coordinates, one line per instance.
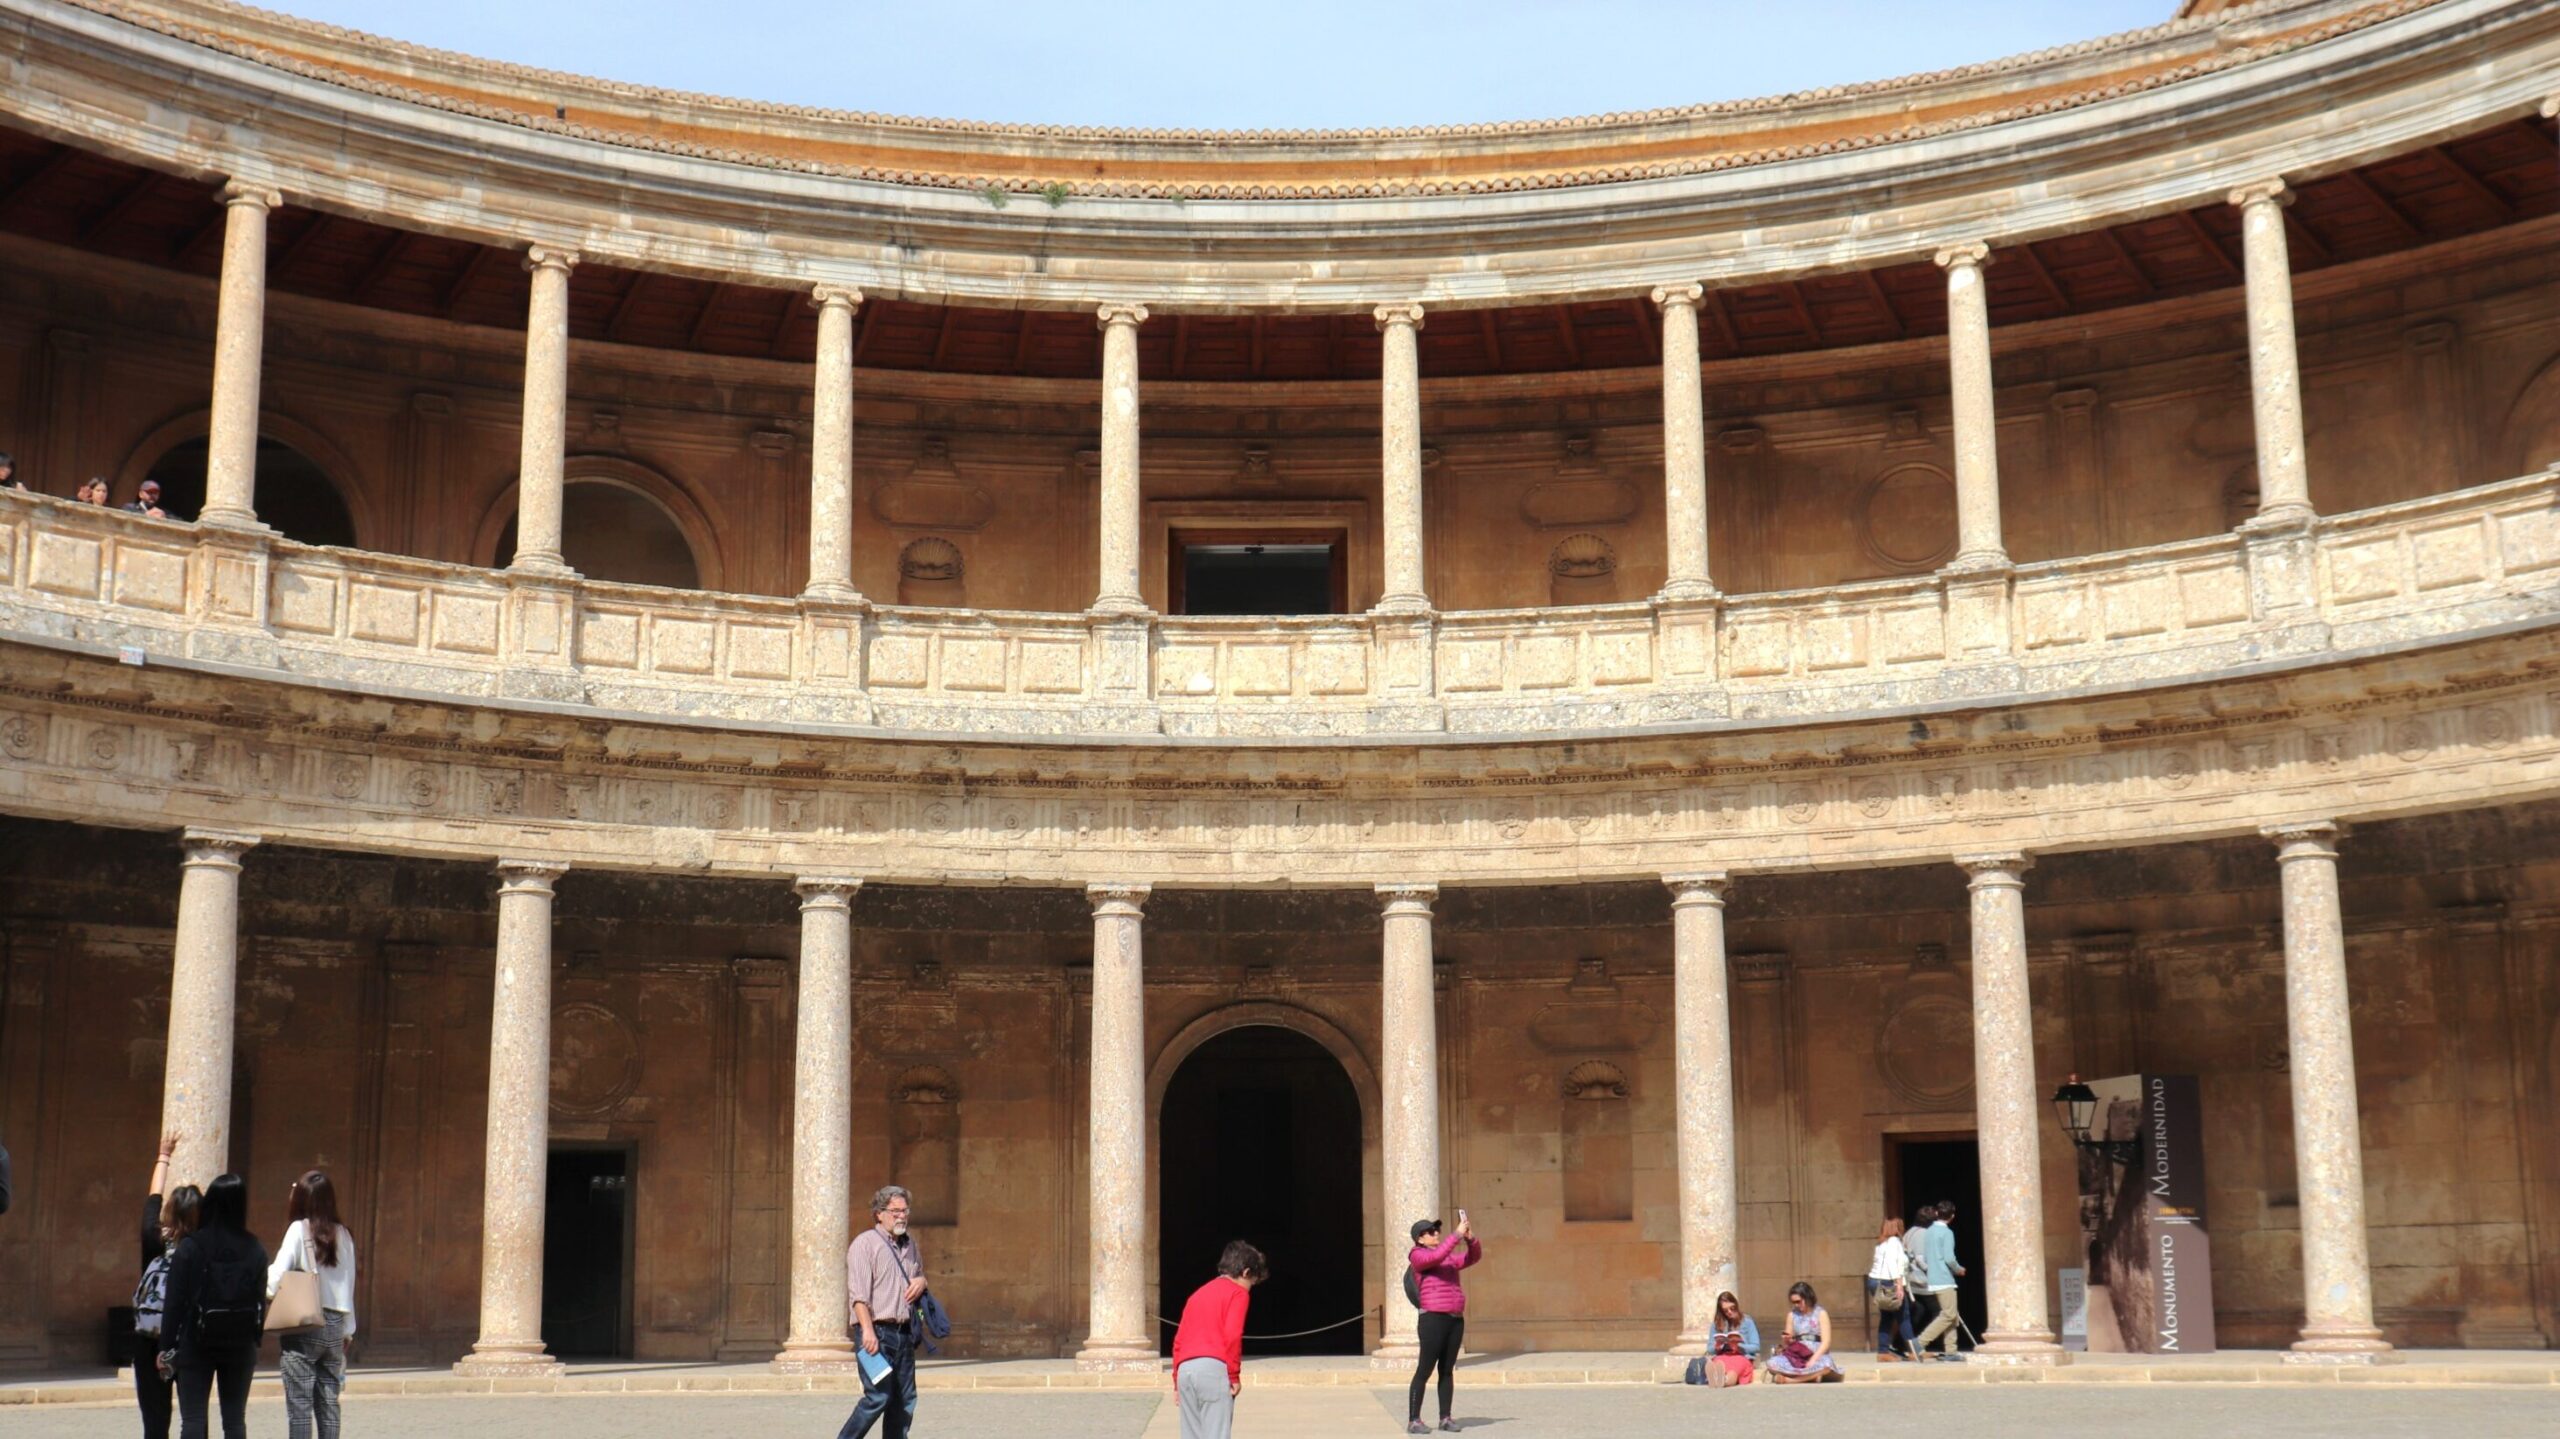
(1217, 64)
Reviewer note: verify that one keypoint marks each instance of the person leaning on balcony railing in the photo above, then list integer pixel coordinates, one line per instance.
(9, 472)
(145, 502)
(93, 491)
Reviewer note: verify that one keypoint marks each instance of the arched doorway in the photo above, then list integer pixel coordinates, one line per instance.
(292, 494)
(612, 532)
(1260, 1138)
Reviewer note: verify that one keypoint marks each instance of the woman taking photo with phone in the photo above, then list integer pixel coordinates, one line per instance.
(1441, 1323)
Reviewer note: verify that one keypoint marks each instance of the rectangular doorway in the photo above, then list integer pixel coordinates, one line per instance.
(1257, 572)
(1930, 1168)
(586, 1252)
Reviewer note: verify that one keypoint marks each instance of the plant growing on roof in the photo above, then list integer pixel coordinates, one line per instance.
(995, 196)
(1056, 193)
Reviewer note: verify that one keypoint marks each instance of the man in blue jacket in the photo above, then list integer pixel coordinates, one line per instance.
(1938, 1244)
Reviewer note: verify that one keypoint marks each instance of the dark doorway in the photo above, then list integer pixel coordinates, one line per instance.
(292, 495)
(1235, 572)
(1261, 1142)
(586, 1254)
(1926, 1169)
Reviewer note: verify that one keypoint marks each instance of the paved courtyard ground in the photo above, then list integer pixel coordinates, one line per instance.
(1584, 1412)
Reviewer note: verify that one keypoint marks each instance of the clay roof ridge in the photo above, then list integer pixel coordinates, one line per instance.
(149, 18)
(147, 13)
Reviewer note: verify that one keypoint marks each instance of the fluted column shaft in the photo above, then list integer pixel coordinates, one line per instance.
(831, 448)
(204, 983)
(821, 1130)
(1684, 447)
(1119, 592)
(1409, 1095)
(2328, 1144)
(1978, 542)
(1116, 1161)
(542, 462)
(239, 346)
(519, 1136)
(1400, 456)
(2275, 367)
(2006, 1112)
(1702, 1103)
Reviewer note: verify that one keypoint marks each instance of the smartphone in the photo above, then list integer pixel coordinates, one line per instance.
(1462, 1214)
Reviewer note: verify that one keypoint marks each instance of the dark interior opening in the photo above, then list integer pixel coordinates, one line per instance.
(586, 1254)
(1928, 1169)
(292, 495)
(1261, 1142)
(1291, 572)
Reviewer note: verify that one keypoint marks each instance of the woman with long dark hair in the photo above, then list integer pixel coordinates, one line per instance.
(314, 1361)
(165, 1220)
(216, 1311)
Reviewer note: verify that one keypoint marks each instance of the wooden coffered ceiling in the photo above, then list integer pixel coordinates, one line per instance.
(2495, 177)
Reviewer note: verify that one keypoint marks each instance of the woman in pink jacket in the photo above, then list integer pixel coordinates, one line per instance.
(1442, 1325)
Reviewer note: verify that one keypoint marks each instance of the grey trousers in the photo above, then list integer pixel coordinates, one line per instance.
(1208, 1410)
(313, 1365)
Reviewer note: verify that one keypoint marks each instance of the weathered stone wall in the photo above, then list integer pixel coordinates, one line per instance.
(364, 995)
(2423, 373)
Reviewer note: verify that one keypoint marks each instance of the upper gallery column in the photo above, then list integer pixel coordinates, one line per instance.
(2006, 1111)
(543, 458)
(1116, 1163)
(519, 1137)
(204, 983)
(2275, 369)
(831, 449)
(1409, 1097)
(1684, 447)
(2328, 1146)
(1400, 456)
(1702, 1103)
(821, 1131)
(1978, 544)
(1118, 591)
(239, 345)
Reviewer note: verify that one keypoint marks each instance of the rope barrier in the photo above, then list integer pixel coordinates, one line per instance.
(1301, 1334)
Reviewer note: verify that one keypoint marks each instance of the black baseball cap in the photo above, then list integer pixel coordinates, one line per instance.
(1422, 1227)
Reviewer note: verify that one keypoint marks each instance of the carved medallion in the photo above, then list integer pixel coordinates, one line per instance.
(595, 1060)
(1925, 1051)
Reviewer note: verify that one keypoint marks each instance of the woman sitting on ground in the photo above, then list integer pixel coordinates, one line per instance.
(1806, 1356)
(1733, 1343)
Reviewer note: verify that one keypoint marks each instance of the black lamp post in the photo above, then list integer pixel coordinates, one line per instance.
(2075, 1105)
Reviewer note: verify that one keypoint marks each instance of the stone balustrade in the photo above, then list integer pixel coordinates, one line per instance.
(2412, 573)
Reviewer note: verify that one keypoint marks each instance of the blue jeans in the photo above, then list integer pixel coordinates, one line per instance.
(895, 1396)
(1890, 1322)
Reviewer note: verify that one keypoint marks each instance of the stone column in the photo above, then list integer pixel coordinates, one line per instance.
(2275, 369)
(1684, 447)
(821, 1132)
(543, 458)
(831, 450)
(1119, 591)
(2328, 1146)
(1702, 1103)
(519, 1140)
(204, 982)
(1116, 1161)
(2006, 1112)
(239, 342)
(1978, 545)
(1400, 459)
(1408, 1100)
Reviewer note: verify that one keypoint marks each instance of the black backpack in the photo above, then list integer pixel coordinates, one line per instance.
(231, 1304)
(1413, 1286)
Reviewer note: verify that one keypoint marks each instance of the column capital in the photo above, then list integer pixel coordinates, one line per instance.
(2304, 839)
(827, 297)
(1973, 255)
(825, 891)
(529, 876)
(1402, 312)
(250, 192)
(1407, 898)
(1995, 867)
(216, 848)
(1119, 312)
(2270, 191)
(1688, 295)
(1118, 898)
(1702, 886)
(550, 257)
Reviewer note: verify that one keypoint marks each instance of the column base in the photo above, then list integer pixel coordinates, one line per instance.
(1688, 1346)
(1402, 605)
(2353, 1346)
(1120, 607)
(833, 594)
(509, 1364)
(1978, 562)
(2279, 520)
(244, 522)
(1118, 1356)
(2014, 1350)
(550, 567)
(816, 1359)
(1687, 592)
(1396, 1354)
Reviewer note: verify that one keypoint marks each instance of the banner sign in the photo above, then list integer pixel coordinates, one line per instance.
(2142, 1218)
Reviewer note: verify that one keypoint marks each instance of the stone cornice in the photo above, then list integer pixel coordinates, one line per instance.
(2353, 83)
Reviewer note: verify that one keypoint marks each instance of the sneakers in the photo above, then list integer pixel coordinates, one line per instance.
(1448, 1426)
(1414, 1426)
